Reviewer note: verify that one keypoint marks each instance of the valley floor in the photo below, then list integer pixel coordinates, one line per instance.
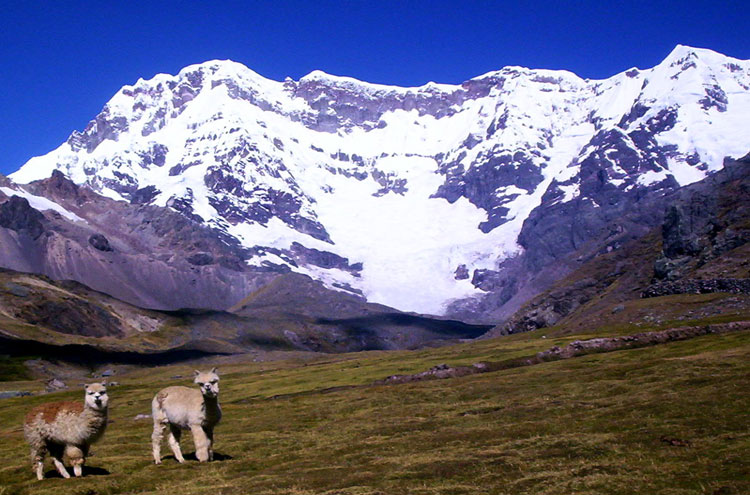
(668, 419)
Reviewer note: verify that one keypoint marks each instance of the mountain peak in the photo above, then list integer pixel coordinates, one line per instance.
(684, 53)
(220, 66)
(681, 51)
(351, 82)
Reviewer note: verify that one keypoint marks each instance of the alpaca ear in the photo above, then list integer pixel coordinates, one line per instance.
(86, 386)
(196, 372)
(213, 370)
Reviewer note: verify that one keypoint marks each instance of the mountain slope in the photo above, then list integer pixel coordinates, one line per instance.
(454, 200)
(695, 265)
(148, 256)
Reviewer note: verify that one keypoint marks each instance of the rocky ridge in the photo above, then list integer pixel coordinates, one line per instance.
(701, 247)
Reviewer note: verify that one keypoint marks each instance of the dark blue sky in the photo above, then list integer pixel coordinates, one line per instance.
(61, 61)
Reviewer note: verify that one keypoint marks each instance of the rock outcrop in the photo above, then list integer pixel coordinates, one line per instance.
(693, 286)
(706, 220)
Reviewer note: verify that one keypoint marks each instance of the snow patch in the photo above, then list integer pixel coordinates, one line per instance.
(42, 203)
(652, 177)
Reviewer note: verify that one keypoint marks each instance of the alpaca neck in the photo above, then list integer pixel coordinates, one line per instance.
(96, 412)
(96, 418)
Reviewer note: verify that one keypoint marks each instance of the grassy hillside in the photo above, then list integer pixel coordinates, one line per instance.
(668, 419)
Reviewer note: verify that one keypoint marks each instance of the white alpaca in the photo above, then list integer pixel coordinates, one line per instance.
(66, 429)
(183, 408)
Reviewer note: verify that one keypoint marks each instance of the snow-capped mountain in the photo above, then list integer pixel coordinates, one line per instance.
(423, 199)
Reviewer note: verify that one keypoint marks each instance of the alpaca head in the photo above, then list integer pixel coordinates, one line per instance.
(96, 396)
(208, 381)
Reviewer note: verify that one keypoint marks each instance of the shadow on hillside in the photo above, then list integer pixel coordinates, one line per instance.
(367, 324)
(89, 355)
(191, 457)
(87, 471)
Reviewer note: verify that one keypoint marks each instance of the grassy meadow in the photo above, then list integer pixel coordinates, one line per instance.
(671, 419)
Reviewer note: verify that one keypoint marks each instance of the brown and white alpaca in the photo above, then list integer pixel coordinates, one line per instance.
(66, 429)
(185, 408)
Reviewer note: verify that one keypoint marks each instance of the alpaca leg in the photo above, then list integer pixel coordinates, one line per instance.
(201, 442)
(57, 460)
(37, 460)
(156, 438)
(210, 437)
(77, 457)
(56, 452)
(174, 442)
(38, 451)
(60, 467)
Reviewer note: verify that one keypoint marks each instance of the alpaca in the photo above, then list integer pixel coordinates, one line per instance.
(66, 429)
(183, 408)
